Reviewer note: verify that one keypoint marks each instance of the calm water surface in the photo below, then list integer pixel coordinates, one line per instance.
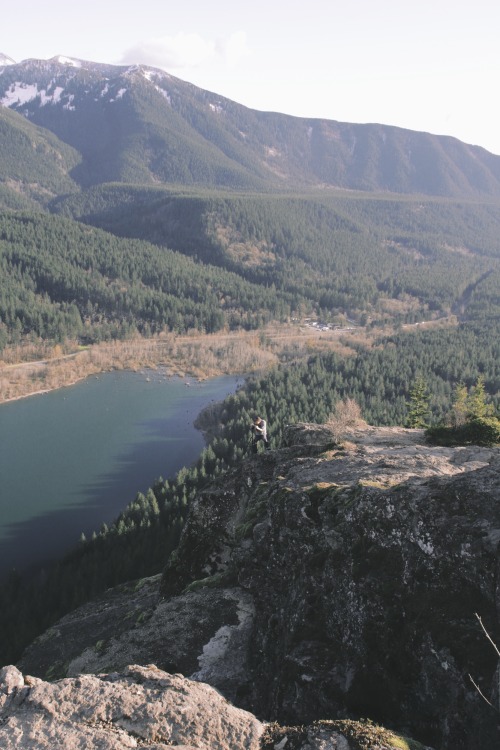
(74, 458)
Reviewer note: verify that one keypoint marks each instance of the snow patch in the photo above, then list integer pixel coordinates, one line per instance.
(53, 97)
(22, 93)
(154, 74)
(164, 93)
(215, 648)
(216, 108)
(69, 104)
(67, 61)
(281, 745)
(19, 93)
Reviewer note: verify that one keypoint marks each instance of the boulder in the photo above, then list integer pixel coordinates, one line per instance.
(141, 706)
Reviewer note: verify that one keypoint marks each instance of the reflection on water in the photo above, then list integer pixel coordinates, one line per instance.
(72, 459)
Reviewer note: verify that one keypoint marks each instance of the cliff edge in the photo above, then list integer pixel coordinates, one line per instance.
(323, 581)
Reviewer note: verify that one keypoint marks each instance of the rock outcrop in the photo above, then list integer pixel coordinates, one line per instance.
(143, 706)
(324, 582)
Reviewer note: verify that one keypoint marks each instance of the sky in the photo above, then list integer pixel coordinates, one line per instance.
(431, 65)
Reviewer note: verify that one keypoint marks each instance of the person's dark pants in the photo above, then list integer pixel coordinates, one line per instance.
(256, 441)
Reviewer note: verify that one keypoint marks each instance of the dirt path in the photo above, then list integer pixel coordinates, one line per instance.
(39, 362)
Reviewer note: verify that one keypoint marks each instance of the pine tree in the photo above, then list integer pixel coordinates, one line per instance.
(477, 408)
(459, 408)
(419, 405)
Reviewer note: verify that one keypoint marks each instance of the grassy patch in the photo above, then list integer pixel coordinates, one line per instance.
(215, 581)
(361, 735)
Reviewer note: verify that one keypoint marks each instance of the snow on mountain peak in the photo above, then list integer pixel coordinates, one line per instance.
(5, 60)
(155, 77)
(67, 61)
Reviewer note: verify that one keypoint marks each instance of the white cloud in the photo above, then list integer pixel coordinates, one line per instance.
(179, 51)
(186, 51)
(234, 48)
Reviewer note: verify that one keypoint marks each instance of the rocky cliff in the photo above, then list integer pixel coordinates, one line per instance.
(322, 582)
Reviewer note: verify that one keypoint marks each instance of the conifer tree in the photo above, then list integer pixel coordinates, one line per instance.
(419, 410)
(477, 408)
(459, 409)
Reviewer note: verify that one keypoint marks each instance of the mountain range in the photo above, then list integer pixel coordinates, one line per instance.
(137, 124)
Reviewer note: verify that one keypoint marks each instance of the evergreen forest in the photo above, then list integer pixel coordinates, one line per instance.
(126, 261)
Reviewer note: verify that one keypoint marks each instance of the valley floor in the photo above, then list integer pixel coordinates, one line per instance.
(26, 371)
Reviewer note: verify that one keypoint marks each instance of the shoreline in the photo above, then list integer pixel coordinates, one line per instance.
(146, 366)
(194, 355)
(42, 392)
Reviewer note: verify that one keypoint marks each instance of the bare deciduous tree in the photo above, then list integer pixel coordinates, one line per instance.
(347, 413)
(488, 636)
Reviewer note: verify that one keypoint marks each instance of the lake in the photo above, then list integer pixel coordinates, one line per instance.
(73, 458)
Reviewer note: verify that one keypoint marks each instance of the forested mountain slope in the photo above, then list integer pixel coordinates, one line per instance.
(140, 124)
(238, 262)
(368, 256)
(35, 165)
(60, 279)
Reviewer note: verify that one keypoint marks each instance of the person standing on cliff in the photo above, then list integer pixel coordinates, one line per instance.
(259, 429)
